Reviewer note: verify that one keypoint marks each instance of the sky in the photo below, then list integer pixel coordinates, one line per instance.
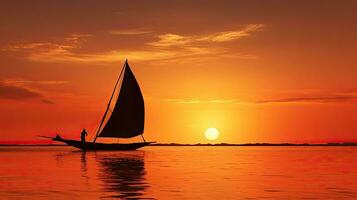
(258, 71)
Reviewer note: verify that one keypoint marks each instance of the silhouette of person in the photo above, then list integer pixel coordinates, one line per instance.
(83, 135)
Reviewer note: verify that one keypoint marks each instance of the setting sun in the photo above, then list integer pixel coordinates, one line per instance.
(212, 133)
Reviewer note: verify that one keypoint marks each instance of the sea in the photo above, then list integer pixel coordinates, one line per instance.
(180, 172)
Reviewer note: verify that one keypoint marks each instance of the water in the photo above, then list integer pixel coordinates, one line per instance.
(179, 173)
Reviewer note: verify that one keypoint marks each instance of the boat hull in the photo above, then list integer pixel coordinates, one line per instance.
(102, 146)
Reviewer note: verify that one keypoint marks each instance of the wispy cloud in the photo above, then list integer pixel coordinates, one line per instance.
(66, 56)
(171, 39)
(18, 93)
(185, 47)
(233, 35)
(72, 41)
(22, 82)
(58, 51)
(197, 100)
(183, 101)
(22, 90)
(312, 99)
(316, 99)
(129, 32)
(169, 46)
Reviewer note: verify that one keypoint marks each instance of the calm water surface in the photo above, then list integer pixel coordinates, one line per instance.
(179, 173)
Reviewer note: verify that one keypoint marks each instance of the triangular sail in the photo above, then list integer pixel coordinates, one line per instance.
(127, 119)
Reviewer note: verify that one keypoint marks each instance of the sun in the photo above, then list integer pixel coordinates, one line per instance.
(212, 134)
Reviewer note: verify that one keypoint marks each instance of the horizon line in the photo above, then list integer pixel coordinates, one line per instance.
(219, 144)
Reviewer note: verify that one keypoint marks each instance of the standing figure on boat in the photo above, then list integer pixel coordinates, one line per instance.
(83, 135)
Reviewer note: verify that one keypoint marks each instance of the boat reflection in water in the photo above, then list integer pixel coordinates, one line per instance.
(123, 174)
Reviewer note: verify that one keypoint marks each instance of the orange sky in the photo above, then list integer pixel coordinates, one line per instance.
(258, 71)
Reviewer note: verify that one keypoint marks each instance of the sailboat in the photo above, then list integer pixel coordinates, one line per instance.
(126, 119)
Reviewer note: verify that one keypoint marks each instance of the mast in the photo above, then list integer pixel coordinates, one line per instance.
(110, 100)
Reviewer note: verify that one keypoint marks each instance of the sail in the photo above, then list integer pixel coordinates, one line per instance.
(127, 119)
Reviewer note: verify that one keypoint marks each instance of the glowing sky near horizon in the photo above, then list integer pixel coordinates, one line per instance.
(258, 71)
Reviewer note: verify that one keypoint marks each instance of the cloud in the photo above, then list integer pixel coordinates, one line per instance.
(183, 101)
(22, 82)
(61, 54)
(13, 92)
(177, 47)
(66, 56)
(233, 35)
(130, 32)
(341, 98)
(57, 51)
(71, 41)
(170, 39)
(197, 100)
(318, 99)
(164, 47)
